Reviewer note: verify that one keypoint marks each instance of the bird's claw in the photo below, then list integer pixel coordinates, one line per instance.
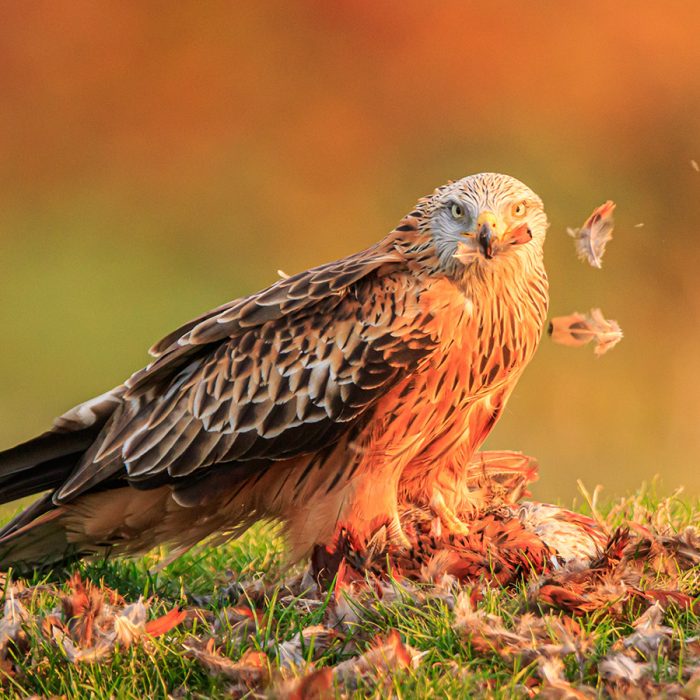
(446, 518)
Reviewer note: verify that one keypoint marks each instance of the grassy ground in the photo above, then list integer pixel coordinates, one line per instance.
(449, 665)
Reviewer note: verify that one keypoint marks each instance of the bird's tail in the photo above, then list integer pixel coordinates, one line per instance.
(41, 465)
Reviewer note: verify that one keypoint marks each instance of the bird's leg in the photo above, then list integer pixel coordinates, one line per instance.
(372, 506)
(447, 517)
(442, 488)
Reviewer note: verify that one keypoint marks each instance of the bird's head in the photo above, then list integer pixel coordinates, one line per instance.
(482, 218)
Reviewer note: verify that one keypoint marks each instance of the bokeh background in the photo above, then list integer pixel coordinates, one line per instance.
(160, 158)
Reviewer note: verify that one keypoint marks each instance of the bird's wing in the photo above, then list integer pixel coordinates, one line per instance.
(278, 374)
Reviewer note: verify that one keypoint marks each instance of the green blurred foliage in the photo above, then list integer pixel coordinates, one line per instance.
(161, 158)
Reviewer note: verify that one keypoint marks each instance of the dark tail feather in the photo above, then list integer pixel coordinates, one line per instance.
(45, 447)
(39, 507)
(37, 535)
(42, 463)
(46, 461)
(49, 476)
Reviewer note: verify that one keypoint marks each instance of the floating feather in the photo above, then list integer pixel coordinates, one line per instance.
(578, 329)
(595, 234)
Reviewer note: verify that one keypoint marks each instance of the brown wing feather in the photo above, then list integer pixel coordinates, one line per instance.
(282, 373)
(300, 292)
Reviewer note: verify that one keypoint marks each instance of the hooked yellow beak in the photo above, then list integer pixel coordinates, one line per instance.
(492, 236)
(487, 232)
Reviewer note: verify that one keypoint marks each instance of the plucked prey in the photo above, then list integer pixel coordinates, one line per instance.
(325, 400)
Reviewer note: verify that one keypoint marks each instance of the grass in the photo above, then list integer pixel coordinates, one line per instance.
(449, 666)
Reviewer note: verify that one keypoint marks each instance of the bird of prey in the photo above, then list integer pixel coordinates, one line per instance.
(327, 398)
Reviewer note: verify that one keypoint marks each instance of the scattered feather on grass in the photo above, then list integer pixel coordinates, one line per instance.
(385, 657)
(93, 621)
(251, 670)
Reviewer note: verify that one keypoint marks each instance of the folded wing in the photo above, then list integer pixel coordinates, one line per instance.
(278, 374)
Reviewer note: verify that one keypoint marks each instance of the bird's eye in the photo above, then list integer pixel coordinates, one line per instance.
(456, 211)
(518, 210)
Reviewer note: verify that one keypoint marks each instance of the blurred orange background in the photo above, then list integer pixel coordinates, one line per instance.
(160, 158)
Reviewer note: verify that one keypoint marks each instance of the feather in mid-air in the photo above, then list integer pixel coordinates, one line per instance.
(331, 397)
(595, 234)
(578, 329)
